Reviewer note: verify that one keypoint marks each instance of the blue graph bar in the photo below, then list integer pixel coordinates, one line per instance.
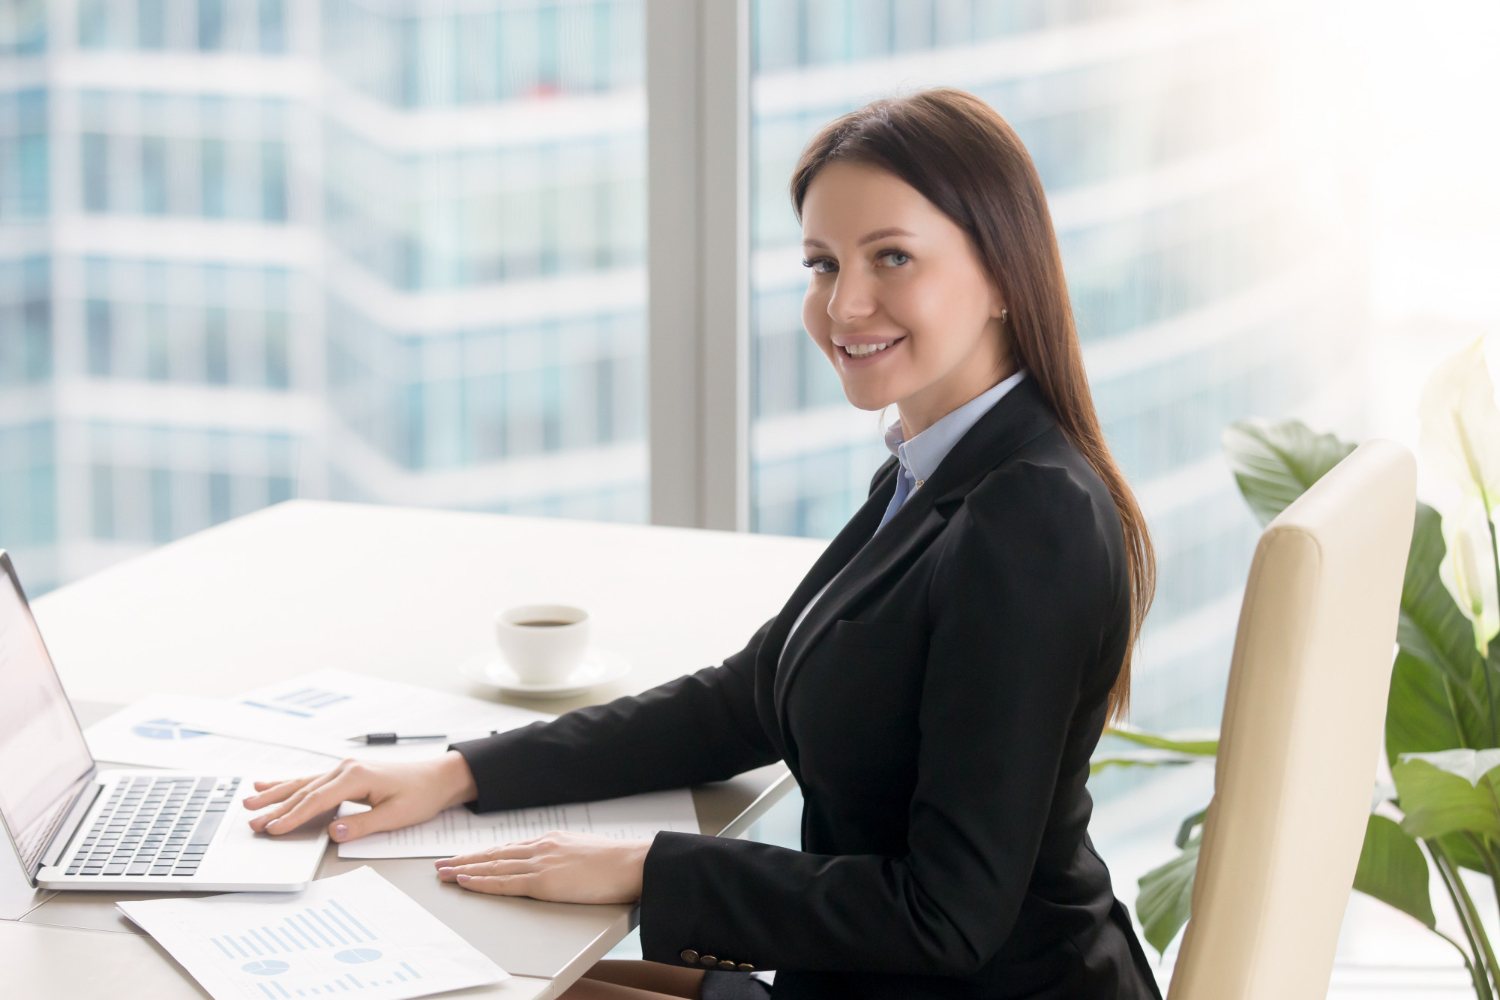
(279, 708)
(297, 938)
(357, 984)
(310, 926)
(334, 904)
(273, 935)
(334, 917)
(325, 925)
(268, 945)
(414, 973)
(220, 945)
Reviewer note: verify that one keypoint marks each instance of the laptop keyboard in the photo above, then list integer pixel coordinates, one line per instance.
(154, 826)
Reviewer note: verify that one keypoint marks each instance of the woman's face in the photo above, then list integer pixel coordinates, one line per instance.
(921, 290)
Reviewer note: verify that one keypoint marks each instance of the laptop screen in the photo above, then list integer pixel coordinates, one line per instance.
(43, 756)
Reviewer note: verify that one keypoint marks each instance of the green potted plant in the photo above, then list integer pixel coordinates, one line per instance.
(1441, 812)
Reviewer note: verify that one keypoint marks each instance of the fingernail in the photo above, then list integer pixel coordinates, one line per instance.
(445, 870)
(271, 824)
(340, 831)
(465, 878)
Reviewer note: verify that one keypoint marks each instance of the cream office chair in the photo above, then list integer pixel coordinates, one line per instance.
(1301, 735)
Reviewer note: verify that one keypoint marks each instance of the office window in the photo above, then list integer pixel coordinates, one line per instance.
(210, 24)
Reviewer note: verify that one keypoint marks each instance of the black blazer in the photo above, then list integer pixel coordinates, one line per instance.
(937, 707)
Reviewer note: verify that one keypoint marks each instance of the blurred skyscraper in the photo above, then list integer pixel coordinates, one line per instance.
(394, 251)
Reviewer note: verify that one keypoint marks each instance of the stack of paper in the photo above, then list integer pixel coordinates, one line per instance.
(296, 727)
(353, 933)
(459, 831)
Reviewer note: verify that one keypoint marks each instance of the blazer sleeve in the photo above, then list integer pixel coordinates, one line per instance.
(1019, 600)
(699, 727)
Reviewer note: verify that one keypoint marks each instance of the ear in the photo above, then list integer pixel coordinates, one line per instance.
(997, 300)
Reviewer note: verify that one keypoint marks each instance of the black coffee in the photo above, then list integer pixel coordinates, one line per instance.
(544, 623)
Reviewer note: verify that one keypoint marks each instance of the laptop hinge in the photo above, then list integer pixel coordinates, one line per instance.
(59, 841)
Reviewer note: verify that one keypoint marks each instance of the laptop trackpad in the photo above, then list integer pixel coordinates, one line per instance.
(95, 910)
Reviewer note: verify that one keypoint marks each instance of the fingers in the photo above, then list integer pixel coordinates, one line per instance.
(518, 849)
(499, 885)
(316, 798)
(387, 815)
(508, 866)
(270, 792)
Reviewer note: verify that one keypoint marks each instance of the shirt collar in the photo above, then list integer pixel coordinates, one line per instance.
(920, 456)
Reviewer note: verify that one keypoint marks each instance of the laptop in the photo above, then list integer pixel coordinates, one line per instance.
(76, 827)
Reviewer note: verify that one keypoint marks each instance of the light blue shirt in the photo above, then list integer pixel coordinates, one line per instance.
(919, 458)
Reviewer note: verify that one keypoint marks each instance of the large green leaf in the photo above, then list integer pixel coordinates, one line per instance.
(1393, 869)
(1181, 743)
(1275, 463)
(1141, 758)
(1451, 791)
(1166, 897)
(1422, 711)
(1433, 630)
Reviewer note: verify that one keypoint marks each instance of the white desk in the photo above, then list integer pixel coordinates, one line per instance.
(403, 594)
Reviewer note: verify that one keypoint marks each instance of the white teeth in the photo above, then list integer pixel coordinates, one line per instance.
(860, 350)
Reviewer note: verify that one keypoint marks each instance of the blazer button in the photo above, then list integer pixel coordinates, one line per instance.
(689, 956)
(708, 961)
(746, 967)
(726, 964)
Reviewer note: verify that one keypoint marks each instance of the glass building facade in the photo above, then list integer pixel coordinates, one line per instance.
(394, 252)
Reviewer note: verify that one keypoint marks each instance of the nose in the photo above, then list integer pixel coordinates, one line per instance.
(851, 299)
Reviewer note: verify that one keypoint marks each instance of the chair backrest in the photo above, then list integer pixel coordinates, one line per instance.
(1301, 736)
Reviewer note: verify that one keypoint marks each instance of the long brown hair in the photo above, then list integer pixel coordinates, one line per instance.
(964, 158)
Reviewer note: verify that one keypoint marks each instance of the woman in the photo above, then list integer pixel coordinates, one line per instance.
(936, 683)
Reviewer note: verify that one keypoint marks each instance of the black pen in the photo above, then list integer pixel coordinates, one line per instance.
(377, 739)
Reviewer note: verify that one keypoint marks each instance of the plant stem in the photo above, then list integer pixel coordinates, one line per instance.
(1479, 987)
(1489, 521)
(1468, 916)
(1482, 848)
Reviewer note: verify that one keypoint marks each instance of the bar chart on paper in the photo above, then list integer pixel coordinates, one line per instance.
(353, 935)
(271, 950)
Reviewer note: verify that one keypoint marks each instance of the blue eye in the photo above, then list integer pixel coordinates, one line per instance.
(814, 262)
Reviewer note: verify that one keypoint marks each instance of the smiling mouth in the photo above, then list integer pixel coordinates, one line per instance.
(865, 351)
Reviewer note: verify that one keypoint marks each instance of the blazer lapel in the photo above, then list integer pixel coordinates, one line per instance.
(861, 557)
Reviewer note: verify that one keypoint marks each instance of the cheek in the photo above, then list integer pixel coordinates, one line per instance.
(815, 314)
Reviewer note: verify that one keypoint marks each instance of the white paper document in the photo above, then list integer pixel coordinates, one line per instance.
(319, 711)
(459, 831)
(354, 934)
(154, 732)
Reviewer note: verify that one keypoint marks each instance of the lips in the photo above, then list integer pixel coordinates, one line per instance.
(851, 361)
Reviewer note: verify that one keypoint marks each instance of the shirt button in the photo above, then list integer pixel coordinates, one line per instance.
(746, 967)
(708, 961)
(726, 964)
(689, 956)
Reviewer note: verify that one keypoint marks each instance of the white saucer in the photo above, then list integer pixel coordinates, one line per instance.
(599, 666)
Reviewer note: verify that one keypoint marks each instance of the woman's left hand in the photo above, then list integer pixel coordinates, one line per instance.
(562, 867)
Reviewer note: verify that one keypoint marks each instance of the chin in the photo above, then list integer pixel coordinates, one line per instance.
(868, 400)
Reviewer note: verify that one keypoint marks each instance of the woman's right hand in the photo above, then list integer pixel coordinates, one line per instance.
(400, 794)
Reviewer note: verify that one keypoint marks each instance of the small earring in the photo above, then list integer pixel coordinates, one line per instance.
(1004, 312)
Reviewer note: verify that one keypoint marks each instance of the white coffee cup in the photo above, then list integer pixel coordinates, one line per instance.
(543, 643)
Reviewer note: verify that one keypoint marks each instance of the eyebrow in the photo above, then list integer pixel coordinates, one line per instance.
(866, 238)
